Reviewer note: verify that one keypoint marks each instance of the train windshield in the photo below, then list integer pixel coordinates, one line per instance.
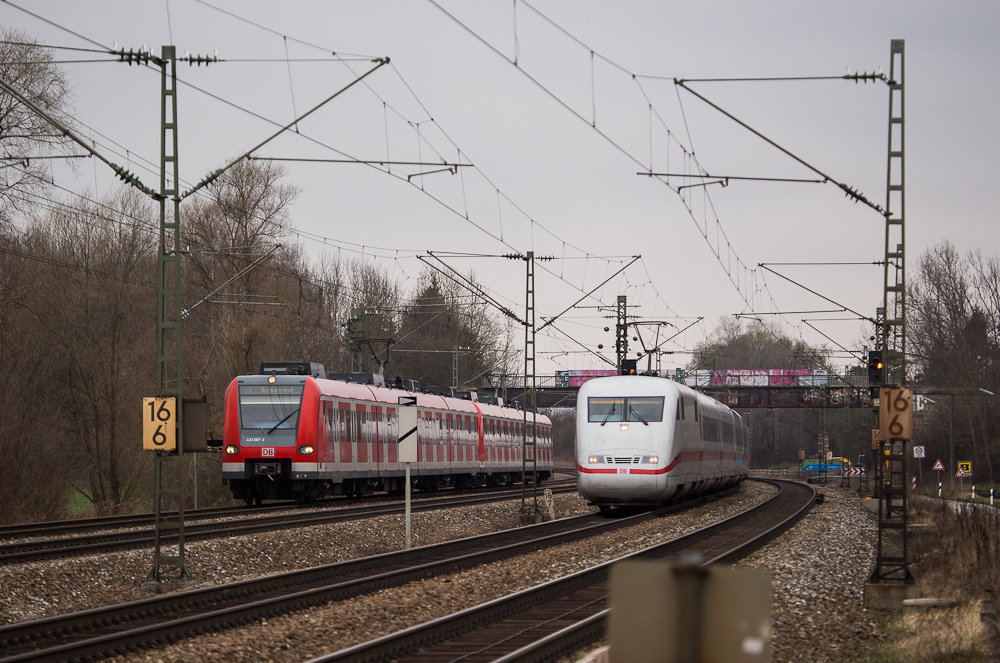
(270, 406)
(604, 409)
(645, 408)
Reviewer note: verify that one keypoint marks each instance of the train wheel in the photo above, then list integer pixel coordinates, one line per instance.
(258, 500)
(605, 510)
(249, 501)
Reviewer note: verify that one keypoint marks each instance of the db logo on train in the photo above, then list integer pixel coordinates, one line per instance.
(267, 451)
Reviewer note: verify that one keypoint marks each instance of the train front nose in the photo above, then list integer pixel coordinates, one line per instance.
(622, 474)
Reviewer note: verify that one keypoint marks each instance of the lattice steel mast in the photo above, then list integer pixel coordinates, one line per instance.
(169, 356)
(893, 566)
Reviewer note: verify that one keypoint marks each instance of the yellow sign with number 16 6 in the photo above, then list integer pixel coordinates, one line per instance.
(159, 423)
(895, 414)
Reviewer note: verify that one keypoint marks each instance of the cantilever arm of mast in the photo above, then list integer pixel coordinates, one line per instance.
(186, 312)
(665, 341)
(380, 62)
(125, 175)
(848, 190)
(556, 317)
(862, 316)
(376, 162)
(461, 280)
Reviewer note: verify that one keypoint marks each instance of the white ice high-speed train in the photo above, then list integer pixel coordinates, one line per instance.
(645, 440)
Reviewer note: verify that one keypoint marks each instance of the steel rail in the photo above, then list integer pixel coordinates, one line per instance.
(37, 550)
(26, 530)
(524, 623)
(116, 629)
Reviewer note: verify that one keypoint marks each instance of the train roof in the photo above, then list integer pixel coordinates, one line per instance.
(629, 385)
(642, 385)
(389, 396)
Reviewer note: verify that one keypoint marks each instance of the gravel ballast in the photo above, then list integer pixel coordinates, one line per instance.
(818, 572)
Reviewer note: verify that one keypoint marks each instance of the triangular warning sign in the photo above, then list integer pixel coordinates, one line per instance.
(938, 465)
(960, 474)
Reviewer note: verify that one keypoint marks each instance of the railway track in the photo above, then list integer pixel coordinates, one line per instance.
(62, 527)
(115, 629)
(42, 549)
(563, 615)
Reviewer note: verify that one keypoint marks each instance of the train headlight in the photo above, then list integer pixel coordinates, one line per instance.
(232, 449)
(306, 449)
(624, 426)
(651, 459)
(594, 459)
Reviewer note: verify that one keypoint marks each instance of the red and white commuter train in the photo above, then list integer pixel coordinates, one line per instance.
(301, 437)
(645, 440)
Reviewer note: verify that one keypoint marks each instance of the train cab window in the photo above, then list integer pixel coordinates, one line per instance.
(604, 409)
(644, 408)
(680, 408)
(270, 406)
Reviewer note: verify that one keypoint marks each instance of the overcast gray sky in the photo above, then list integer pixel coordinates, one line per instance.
(557, 141)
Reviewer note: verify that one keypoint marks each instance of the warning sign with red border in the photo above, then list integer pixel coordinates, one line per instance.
(939, 465)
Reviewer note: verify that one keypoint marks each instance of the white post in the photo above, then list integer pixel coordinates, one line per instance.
(408, 542)
(973, 492)
(407, 447)
(194, 466)
(939, 489)
(991, 497)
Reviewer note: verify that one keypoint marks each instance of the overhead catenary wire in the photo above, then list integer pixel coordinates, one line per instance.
(533, 223)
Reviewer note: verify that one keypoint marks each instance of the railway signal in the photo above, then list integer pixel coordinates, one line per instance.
(875, 367)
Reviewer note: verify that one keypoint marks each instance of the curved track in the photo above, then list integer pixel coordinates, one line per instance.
(561, 616)
(42, 549)
(115, 629)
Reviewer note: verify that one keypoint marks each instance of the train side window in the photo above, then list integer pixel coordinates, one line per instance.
(727, 433)
(696, 411)
(710, 429)
(679, 408)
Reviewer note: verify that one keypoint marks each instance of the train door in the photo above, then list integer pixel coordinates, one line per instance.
(392, 437)
(361, 443)
(505, 446)
(325, 446)
(438, 440)
(345, 426)
(477, 428)
(378, 439)
(425, 433)
(449, 438)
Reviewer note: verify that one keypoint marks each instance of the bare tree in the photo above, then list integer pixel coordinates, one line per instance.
(27, 66)
(442, 315)
(93, 305)
(757, 346)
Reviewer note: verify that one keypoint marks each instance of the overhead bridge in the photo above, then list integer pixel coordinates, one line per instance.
(553, 391)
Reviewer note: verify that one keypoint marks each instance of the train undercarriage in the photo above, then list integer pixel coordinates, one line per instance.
(267, 487)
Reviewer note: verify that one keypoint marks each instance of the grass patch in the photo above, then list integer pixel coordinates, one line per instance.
(935, 636)
(955, 555)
